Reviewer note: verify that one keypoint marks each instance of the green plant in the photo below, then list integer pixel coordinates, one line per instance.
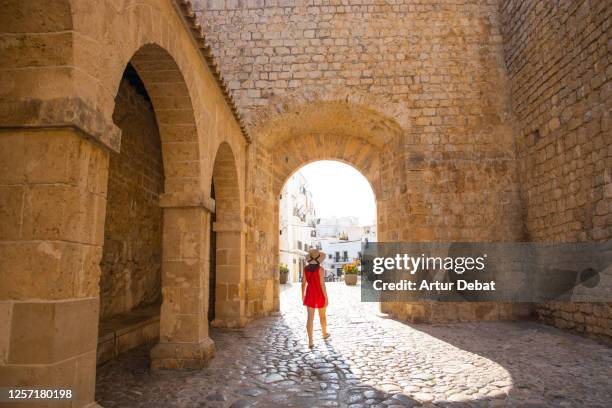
(350, 269)
(283, 269)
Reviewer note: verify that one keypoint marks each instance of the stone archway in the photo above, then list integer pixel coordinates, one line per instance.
(184, 341)
(130, 269)
(323, 130)
(294, 153)
(230, 231)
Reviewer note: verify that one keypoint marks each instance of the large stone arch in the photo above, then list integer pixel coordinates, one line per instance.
(296, 152)
(230, 230)
(184, 242)
(169, 93)
(323, 130)
(326, 117)
(377, 108)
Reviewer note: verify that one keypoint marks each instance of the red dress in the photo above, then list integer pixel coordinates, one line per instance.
(314, 296)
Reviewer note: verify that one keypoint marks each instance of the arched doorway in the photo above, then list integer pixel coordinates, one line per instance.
(329, 205)
(130, 279)
(296, 133)
(227, 280)
(175, 252)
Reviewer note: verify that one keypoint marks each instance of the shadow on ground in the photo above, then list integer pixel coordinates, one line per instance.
(371, 361)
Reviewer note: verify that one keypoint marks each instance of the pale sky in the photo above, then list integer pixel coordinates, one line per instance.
(339, 189)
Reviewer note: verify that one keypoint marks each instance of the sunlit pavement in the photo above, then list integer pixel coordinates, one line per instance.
(372, 361)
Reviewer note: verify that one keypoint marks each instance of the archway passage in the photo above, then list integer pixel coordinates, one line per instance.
(295, 152)
(183, 323)
(130, 279)
(229, 230)
(328, 205)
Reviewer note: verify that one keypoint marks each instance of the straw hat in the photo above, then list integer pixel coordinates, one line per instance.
(315, 255)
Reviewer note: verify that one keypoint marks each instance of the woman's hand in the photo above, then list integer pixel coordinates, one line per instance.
(325, 300)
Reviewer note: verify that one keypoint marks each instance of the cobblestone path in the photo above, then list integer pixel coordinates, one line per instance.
(372, 361)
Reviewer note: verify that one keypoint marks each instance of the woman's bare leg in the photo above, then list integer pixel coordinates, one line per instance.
(309, 324)
(323, 320)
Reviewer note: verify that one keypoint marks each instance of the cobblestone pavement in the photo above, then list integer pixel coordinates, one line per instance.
(372, 361)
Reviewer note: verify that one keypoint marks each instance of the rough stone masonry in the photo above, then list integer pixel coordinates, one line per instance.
(473, 120)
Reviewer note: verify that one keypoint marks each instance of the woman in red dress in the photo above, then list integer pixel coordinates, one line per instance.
(314, 294)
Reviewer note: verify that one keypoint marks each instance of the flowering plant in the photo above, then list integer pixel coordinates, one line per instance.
(282, 268)
(350, 269)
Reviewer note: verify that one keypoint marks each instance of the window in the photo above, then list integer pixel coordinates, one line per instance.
(299, 244)
(345, 256)
(337, 257)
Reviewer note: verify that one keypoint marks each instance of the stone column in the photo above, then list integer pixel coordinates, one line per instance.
(230, 291)
(52, 209)
(184, 341)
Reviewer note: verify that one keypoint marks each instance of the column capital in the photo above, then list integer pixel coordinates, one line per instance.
(187, 200)
(73, 113)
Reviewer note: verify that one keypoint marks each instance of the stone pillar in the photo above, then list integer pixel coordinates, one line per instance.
(230, 292)
(52, 209)
(184, 341)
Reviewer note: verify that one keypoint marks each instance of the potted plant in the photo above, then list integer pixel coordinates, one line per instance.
(350, 273)
(283, 271)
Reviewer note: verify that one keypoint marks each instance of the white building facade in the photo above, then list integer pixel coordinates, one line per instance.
(341, 238)
(297, 221)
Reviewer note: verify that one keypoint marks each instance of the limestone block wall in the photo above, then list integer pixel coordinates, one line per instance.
(424, 83)
(62, 65)
(558, 59)
(131, 259)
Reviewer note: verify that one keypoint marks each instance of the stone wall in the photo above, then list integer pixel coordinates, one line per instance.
(131, 260)
(558, 59)
(62, 67)
(424, 84)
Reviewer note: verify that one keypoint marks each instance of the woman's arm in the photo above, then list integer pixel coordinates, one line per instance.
(303, 285)
(322, 280)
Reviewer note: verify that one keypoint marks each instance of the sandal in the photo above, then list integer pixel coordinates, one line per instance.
(326, 336)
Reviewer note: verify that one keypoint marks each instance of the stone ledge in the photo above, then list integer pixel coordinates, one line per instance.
(124, 332)
(182, 356)
(58, 113)
(186, 200)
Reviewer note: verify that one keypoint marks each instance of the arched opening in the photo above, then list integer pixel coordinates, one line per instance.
(154, 249)
(227, 282)
(328, 205)
(130, 280)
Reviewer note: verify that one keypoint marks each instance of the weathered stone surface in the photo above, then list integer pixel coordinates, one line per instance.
(391, 97)
(502, 364)
(131, 259)
(473, 121)
(562, 102)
